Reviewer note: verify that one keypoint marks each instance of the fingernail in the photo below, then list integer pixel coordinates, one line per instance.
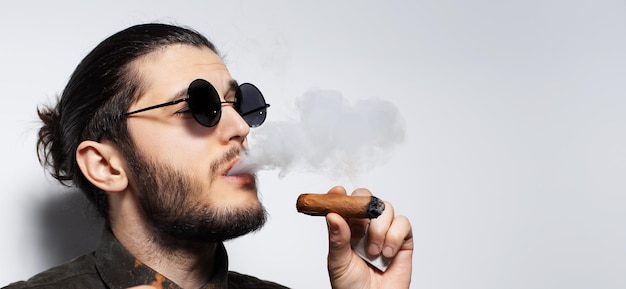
(373, 249)
(388, 252)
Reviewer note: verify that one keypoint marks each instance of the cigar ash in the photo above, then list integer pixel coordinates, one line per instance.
(375, 207)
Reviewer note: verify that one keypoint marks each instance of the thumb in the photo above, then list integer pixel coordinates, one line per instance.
(339, 249)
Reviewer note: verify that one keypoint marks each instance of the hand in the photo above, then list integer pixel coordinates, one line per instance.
(388, 234)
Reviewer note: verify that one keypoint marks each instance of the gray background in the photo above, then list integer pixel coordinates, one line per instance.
(512, 170)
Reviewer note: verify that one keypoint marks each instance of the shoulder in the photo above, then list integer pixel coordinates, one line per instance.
(241, 281)
(78, 273)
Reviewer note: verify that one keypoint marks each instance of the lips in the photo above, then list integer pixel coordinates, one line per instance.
(239, 168)
(243, 165)
(231, 164)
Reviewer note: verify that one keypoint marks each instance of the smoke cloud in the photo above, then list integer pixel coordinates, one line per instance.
(332, 136)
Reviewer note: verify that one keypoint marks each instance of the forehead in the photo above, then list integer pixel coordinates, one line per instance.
(172, 68)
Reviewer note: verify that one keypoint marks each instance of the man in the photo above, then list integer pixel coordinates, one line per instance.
(148, 127)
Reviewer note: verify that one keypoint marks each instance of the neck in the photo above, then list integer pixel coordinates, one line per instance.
(189, 264)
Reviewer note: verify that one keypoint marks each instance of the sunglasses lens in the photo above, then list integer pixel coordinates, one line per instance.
(204, 103)
(250, 104)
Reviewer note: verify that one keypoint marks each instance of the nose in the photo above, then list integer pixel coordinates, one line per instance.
(231, 126)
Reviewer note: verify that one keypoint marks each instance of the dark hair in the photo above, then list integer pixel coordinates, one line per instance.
(94, 100)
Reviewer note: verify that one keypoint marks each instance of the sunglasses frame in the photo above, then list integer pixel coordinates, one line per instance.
(218, 115)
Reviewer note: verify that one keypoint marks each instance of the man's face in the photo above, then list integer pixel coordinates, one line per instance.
(179, 168)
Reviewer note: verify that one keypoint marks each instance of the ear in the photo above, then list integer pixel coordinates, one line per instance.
(102, 165)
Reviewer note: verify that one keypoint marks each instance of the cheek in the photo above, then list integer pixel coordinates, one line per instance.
(171, 144)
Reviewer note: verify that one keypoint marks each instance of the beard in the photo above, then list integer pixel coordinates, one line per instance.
(173, 203)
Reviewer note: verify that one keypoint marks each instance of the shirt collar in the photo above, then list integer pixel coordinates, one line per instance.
(119, 269)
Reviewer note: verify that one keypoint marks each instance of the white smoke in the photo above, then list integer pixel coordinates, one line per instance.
(331, 136)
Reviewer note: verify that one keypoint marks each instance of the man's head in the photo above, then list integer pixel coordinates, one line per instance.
(174, 166)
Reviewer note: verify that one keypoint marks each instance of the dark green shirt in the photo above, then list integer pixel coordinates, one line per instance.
(111, 266)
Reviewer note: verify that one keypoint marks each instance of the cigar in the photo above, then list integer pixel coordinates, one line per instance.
(347, 206)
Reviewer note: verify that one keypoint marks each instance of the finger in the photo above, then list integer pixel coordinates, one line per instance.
(402, 260)
(337, 190)
(395, 240)
(142, 287)
(377, 230)
(339, 249)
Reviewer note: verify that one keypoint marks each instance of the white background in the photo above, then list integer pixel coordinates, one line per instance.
(512, 171)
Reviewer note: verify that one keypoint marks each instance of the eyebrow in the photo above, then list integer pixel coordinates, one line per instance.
(233, 85)
(182, 93)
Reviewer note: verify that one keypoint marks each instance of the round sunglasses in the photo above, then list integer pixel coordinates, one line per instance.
(206, 107)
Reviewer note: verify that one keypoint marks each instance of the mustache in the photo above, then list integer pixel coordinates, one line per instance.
(226, 159)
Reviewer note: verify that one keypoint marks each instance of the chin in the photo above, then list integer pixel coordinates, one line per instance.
(228, 194)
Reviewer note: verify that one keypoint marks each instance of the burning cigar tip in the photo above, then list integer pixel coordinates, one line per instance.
(366, 207)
